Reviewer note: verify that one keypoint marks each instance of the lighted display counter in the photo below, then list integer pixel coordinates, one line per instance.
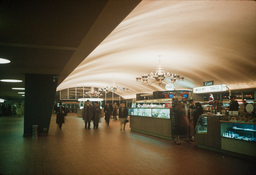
(153, 121)
(150, 112)
(152, 117)
(219, 133)
(238, 137)
(155, 114)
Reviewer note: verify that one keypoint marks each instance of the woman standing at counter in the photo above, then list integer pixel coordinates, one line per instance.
(182, 124)
(123, 114)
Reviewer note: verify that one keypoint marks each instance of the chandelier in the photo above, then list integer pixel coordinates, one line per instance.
(160, 76)
(113, 89)
(93, 93)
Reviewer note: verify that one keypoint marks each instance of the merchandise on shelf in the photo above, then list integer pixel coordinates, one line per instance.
(150, 112)
(238, 130)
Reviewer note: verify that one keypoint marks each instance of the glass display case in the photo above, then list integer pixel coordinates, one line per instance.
(150, 112)
(161, 113)
(201, 126)
(143, 112)
(238, 130)
(133, 111)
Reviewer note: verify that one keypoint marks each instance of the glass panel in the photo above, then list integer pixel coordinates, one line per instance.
(201, 126)
(144, 112)
(72, 93)
(64, 94)
(161, 113)
(79, 91)
(133, 111)
(239, 131)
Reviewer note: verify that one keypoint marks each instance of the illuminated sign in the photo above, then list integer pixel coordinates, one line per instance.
(169, 87)
(208, 83)
(209, 89)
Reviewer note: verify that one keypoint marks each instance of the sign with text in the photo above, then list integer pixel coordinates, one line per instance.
(208, 83)
(209, 89)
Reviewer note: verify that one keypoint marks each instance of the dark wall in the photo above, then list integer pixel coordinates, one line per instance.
(39, 98)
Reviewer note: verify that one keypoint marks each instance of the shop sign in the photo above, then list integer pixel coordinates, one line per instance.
(208, 83)
(209, 89)
(169, 87)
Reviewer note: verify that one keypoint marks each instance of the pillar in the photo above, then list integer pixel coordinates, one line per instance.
(40, 92)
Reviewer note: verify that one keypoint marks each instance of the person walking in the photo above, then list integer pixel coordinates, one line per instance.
(123, 114)
(107, 111)
(60, 115)
(115, 107)
(87, 114)
(96, 115)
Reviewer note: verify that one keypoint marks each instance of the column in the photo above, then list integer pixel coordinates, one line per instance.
(40, 92)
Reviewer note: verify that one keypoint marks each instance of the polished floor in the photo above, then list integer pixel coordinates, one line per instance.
(106, 150)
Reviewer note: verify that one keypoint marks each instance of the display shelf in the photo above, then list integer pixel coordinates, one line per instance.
(238, 131)
(246, 130)
(150, 112)
(237, 122)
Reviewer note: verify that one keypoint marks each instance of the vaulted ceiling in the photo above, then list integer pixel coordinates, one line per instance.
(108, 42)
(200, 40)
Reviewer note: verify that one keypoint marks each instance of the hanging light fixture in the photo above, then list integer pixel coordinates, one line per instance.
(160, 76)
(93, 93)
(113, 89)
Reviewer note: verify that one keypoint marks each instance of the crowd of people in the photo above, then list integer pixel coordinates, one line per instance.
(93, 113)
(16, 109)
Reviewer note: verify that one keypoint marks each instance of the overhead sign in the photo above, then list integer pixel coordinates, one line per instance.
(208, 83)
(169, 87)
(209, 89)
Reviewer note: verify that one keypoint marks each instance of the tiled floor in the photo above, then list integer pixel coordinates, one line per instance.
(107, 150)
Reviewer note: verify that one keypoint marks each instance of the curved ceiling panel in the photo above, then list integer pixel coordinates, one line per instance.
(200, 40)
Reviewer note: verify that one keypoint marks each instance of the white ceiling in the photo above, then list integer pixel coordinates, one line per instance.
(200, 40)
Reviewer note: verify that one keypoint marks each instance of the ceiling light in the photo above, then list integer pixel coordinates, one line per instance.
(159, 76)
(18, 88)
(90, 99)
(113, 88)
(93, 93)
(11, 81)
(23, 95)
(4, 61)
(21, 92)
(1, 100)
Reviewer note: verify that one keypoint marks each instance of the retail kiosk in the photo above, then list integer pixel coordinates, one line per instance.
(154, 115)
(233, 135)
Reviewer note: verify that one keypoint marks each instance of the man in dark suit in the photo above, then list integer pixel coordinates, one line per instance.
(87, 114)
(107, 110)
(60, 115)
